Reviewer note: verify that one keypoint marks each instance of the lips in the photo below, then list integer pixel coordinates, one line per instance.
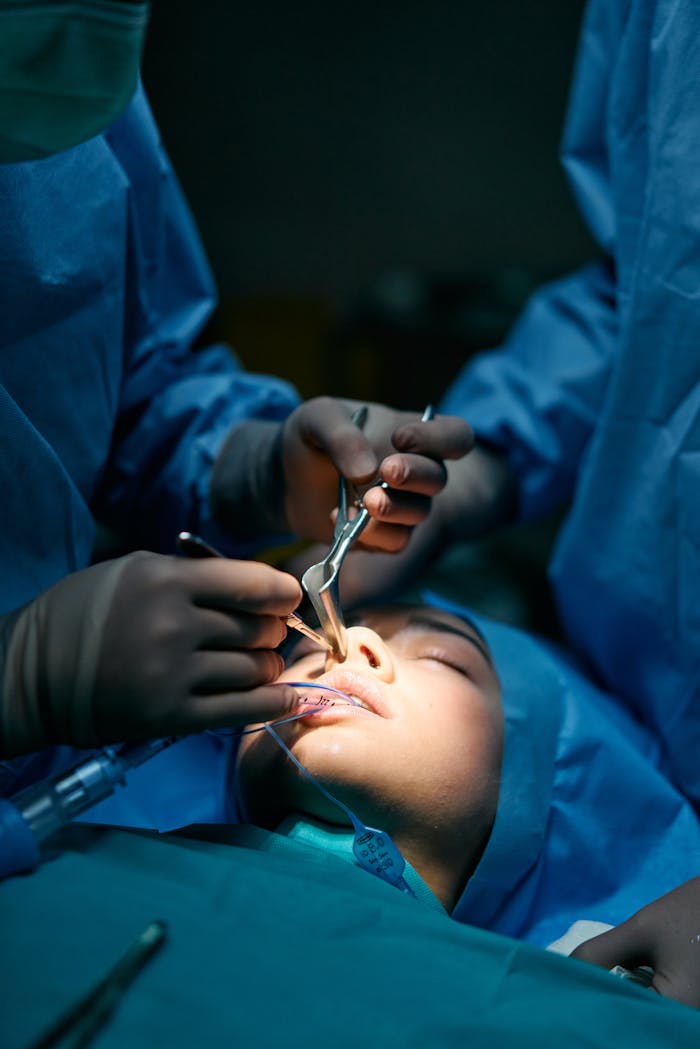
(359, 687)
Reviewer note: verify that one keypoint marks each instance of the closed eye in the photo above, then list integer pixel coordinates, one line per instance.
(448, 661)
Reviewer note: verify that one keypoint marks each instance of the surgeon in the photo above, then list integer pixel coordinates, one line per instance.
(592, 405)
(114, 415)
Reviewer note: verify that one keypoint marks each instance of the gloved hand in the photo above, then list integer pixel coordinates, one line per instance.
(479, 496)
(664, 935)
(283, 477)
(144, 646)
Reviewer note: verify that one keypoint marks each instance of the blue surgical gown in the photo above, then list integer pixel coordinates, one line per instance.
(109, 408)
(595, 394)
(588, 826)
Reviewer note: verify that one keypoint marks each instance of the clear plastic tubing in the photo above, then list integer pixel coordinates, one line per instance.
(373, 848)
(35, 814)
(51, 804)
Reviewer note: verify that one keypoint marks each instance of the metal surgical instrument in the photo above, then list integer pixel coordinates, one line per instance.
(320, 581)
(192, 546)
(82, 1022)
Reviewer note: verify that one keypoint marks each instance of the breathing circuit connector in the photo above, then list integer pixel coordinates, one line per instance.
(31, 818)
(34, 815)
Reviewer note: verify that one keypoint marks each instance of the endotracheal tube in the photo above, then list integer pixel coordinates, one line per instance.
(373, 849)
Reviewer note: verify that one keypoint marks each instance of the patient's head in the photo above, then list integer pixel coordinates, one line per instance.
(420, 759)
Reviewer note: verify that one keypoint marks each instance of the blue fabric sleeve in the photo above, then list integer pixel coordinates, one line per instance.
(157, 481)
(177, 402)
(538, 395)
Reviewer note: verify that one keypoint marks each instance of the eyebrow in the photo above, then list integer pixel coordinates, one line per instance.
(424, 619)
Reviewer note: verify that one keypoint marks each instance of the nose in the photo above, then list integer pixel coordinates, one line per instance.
(366, 650)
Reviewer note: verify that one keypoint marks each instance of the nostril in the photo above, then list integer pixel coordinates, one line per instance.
(369, 656)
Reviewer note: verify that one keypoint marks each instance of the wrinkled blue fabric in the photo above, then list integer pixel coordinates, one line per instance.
(109, 411)
(588, 825)
(595, 394)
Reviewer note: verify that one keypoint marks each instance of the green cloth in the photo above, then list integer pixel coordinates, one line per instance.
(339, 842)
(67, 71)
(275, 945)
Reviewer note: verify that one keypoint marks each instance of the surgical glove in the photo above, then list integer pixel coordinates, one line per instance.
(144, 646)
(664, 935)
(283, 477)
(478, 498)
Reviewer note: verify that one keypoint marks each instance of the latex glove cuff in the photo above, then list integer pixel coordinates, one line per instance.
(247, 486)
(51, 651)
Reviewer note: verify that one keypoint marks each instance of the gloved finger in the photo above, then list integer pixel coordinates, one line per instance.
(395, 508)
(409, 472)
(384, 538)
(680, 982)
(214, 630)
(326, 424)
(627, 945)
(219, 672)
(442, 437)
(654, 943)
(250, 707)
(248, 586)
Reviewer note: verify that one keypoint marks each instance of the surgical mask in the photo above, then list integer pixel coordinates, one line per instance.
(68, 68)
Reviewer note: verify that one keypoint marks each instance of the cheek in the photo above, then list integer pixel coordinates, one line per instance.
(346, 752)
(263, 780)
(263, 767)
(252, 755)
(459, 746)
(259, 759)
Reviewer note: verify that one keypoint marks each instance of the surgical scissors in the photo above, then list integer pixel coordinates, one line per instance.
(320, 581)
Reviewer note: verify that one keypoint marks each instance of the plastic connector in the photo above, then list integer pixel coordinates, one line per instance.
(20, 850)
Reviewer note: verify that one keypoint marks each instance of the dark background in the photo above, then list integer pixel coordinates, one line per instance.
(370, 179)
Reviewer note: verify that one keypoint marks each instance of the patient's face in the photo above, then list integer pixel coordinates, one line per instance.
(420, 759)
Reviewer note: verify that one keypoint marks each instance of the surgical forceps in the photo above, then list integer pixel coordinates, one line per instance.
(320, 581)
